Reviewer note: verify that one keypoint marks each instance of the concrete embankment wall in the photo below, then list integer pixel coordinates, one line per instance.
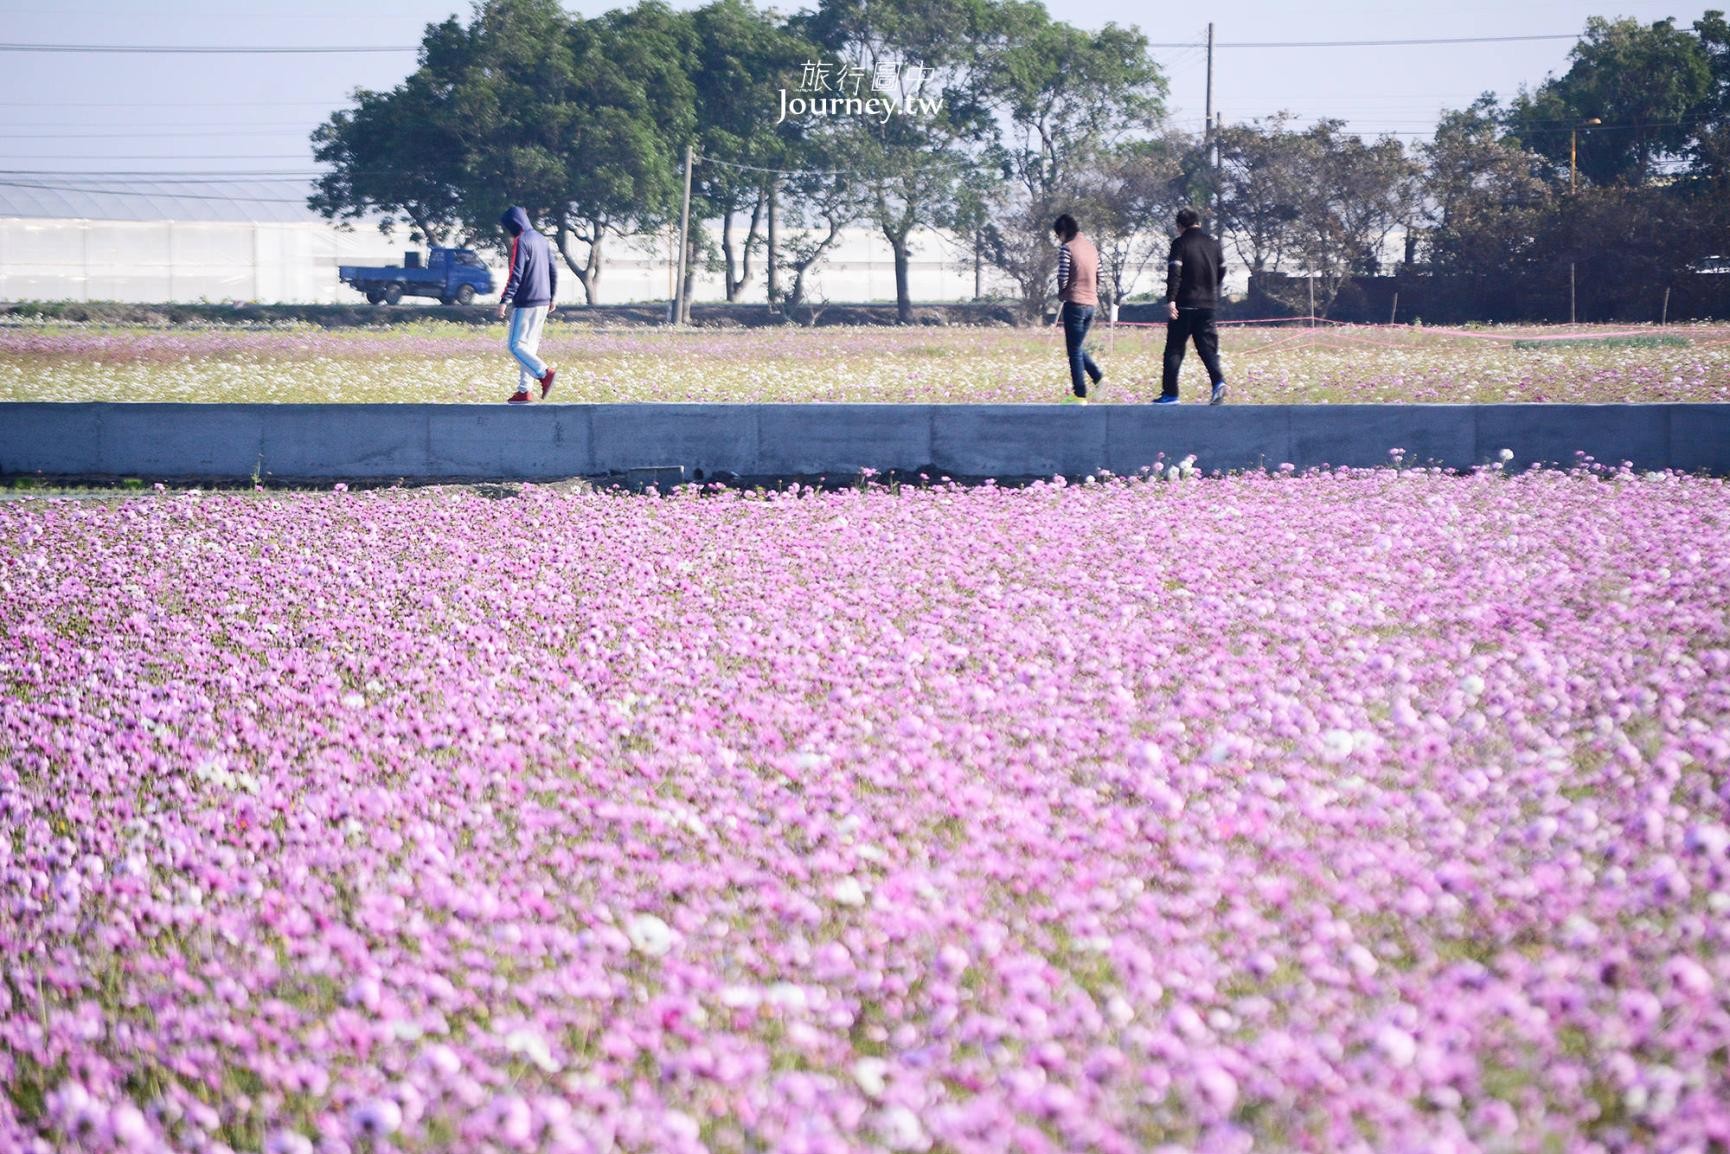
(288, 443)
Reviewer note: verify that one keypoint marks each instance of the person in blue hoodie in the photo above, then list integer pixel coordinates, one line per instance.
(528, 296)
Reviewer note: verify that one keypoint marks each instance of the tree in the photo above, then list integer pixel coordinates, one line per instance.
(1358, 194)
(1645, 86)
(574, 120)
(742, 61)
(1068, 99)
(400, 153)
(1260, 190)
(631, 103)
(819, 204)
(1485, 203)
(1127, 194)
(912, 164)
(1710, 151)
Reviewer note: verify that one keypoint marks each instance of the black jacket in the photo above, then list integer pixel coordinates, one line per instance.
(1195, 271)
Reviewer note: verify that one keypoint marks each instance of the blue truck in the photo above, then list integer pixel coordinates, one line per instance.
(452, 275)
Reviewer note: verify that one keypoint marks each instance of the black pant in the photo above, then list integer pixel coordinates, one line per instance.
(1196, 324)
(1077, 319)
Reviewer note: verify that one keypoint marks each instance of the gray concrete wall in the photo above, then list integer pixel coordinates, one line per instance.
(544, 442)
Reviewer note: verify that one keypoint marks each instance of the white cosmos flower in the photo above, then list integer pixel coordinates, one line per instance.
(649, 935)
(848, 892)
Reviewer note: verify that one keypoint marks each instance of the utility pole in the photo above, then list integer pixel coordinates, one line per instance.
(1208, 143)
(1209, 117)
(773, 180)
(679, 313)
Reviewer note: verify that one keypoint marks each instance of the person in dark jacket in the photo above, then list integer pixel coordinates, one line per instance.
(1194, 273)
(528, 296)
(1078, 289)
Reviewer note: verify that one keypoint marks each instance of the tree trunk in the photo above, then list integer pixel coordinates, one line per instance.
(903, 297)
(434, 236)
(750, 241)
(978, 267)
(728, 283)
(796, 297)
(592, 282)
(734, 284)
(587, 271)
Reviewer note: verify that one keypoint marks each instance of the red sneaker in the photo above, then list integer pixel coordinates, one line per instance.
(547, 382)
(518, 399)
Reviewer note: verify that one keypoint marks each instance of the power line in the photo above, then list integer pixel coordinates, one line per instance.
(234, 156)
(151, 132)
(140, 194)
(59, 105)
(1393, 43)
(201, 50)
(260, 49)
(193, 175)
(777, 171)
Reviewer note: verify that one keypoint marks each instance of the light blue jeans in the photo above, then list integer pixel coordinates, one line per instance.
(524, 342)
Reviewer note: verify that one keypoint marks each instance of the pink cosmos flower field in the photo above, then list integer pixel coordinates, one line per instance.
(1370, 810)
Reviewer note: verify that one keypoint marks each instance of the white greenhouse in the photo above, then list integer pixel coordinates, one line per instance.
(178, 240)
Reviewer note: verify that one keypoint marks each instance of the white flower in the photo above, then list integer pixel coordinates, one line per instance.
(900, 1129)
(1472, 685)
(353, 700)
(649, 935)
(1397, 1046)
(788, 996)
(533, 1047)
(848, 892)
(871, 1073)
(1506, 455)
(1338, 744)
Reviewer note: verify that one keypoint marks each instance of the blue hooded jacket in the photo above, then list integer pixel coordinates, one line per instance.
(534, 278)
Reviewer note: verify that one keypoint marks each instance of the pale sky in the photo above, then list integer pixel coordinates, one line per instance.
(200, 114)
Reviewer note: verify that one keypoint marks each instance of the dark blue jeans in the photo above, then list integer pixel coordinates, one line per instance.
(1077, 319)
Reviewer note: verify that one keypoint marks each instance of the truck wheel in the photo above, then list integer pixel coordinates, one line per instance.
(373, 296)
(392, 294)
(466, 295)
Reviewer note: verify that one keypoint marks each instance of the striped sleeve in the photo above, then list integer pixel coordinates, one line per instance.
(1063, 269)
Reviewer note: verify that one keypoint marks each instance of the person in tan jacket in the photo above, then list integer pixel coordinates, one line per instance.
(1078, 289)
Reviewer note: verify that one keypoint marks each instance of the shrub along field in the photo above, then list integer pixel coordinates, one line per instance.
(1347, 811)
(464, 363)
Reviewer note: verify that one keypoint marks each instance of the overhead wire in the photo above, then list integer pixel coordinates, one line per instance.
(321, 49)
(209, 49)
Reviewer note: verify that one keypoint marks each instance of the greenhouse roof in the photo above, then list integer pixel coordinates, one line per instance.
(260, 198)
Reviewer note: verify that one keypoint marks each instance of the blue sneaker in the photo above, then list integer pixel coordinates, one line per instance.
(1218, 397)
(1166, 399)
